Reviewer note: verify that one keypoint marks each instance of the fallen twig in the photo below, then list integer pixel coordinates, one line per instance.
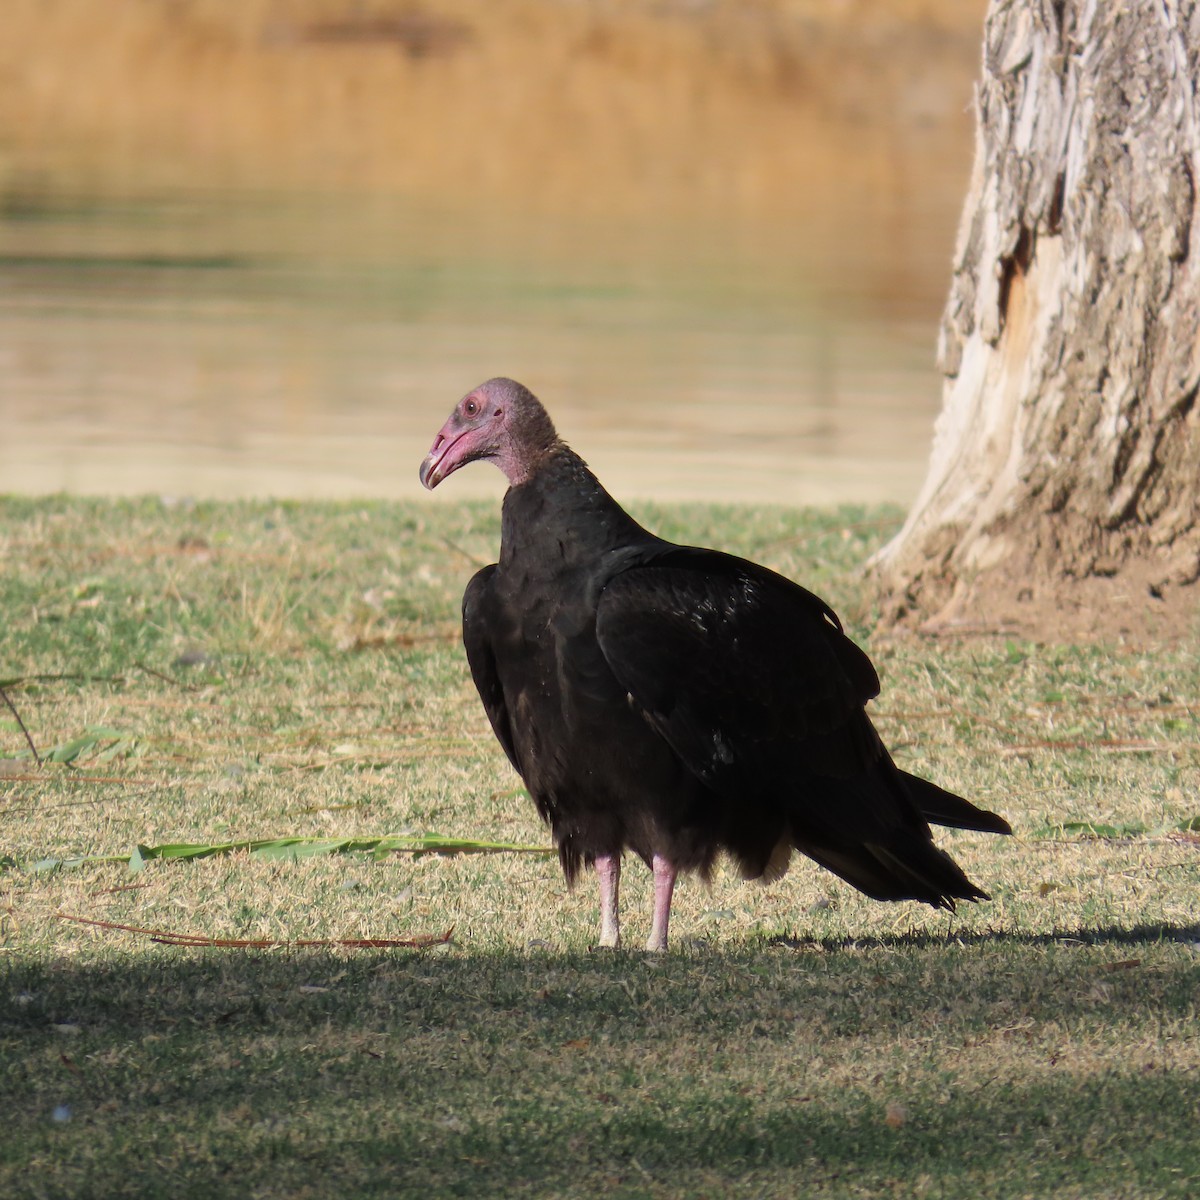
(471, 558)
(1111, 745)
(37, 758)
(58, 675)
(70, 775)
(187, 687)
(168, 937)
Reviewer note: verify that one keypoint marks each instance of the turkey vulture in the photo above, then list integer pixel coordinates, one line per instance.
(673, 701)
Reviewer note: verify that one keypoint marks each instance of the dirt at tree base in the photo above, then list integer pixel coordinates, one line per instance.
(1132, 607)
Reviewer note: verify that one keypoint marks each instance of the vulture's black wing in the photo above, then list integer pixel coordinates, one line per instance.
(478, 632)
(748, 676)
(753, 684)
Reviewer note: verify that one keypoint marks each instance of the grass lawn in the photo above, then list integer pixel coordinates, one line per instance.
(227, 673)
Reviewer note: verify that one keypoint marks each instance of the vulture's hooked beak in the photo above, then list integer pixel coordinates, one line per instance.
(429, 476)
(431, 473)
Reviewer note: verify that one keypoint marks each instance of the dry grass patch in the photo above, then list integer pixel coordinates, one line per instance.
(268, 670)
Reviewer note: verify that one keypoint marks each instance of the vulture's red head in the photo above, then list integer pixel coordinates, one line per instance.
(499, 420)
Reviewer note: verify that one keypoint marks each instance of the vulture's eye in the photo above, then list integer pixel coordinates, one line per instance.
(471, 407)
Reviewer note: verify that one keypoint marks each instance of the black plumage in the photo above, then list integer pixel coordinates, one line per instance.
(674, 701)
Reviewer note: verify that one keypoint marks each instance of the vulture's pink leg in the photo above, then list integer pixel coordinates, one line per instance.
(664, 887)
(608, 868)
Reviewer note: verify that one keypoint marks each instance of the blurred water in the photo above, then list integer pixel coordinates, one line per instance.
(209, 346)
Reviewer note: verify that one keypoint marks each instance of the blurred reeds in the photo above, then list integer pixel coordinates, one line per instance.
(599, 105)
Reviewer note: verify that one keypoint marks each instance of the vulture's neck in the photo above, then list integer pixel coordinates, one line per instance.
(563, 513)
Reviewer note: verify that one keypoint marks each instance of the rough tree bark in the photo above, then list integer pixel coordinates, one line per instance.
(1065, 476)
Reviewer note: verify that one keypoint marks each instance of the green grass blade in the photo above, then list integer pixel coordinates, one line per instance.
(1099, 830)
(85, 744)
(296, 847)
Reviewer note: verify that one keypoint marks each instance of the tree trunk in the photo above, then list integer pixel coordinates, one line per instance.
(1063, 487)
